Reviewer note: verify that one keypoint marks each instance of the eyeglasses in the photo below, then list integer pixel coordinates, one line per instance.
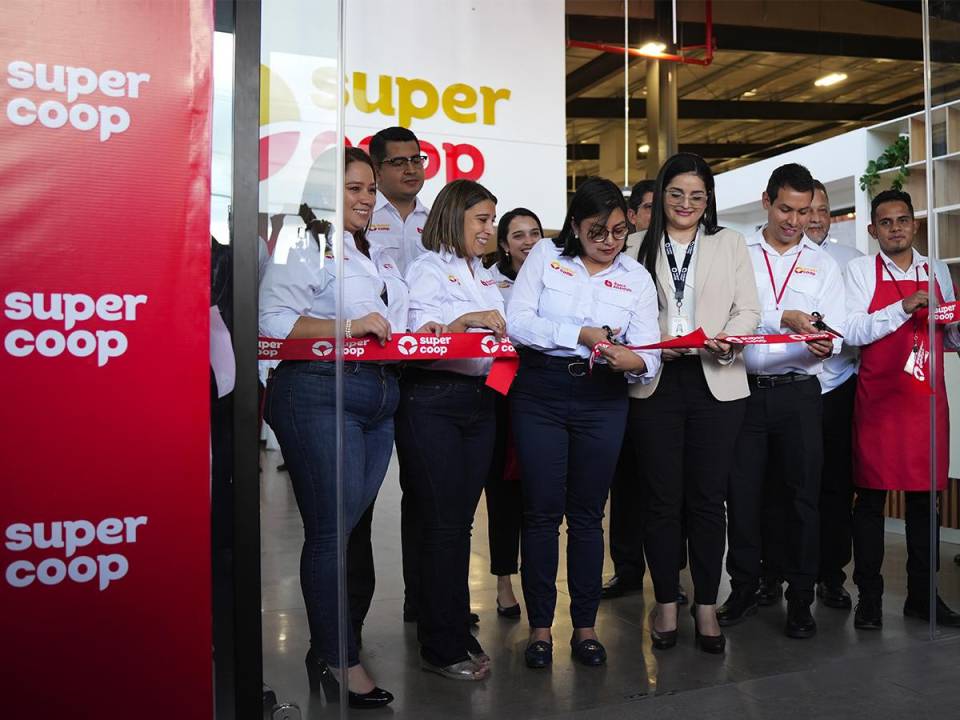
(599, 234)
(677, 197)
(402, 162)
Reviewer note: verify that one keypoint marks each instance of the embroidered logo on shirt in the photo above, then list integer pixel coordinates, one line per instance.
(388, 266)
(560, 268)
(488, 283)
(616, 286)
(380, 227)
(453, 279)
(329, 256)
(803, 270)
(420, 231)
(504, 284)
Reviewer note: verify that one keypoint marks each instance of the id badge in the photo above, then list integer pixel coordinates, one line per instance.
(911, 362)
(679, 326)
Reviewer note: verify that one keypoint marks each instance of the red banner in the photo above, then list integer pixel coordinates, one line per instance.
(406, 347)
(105, 177)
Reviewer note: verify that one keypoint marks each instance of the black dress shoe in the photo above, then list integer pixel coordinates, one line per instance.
(682, 598)
(539, 654)
(869, 613)
(921, 611)
(741, 604)
(320, 676)
(770, 592)
(800, 623)
(662, 640)
(511, 612)
(713, 644)
(474, 619)
(618, 587)
(589, 652)
(834, 596)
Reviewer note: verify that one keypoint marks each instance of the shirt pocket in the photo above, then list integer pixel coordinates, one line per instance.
(613, 308)
(558, 297)
(809, 286)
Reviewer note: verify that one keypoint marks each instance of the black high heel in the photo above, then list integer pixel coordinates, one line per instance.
(321, 678)
(663, 640)
(713, 644)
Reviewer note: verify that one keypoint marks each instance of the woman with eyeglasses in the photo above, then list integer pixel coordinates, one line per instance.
(684, 424)
(572, 295)
(446, 423)
(298, 300)
(517, 232)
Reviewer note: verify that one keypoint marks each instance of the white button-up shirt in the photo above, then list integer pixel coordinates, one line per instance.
(814, 285)
(839, 368)
(301, 281)
(503, 282)
(443, 289)
(398, 237)
(554, 297)
(863, 327)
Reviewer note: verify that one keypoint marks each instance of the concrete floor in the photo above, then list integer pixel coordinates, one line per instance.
(841, 673)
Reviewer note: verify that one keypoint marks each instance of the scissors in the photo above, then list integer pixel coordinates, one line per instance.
(819, 324)
(610, 337)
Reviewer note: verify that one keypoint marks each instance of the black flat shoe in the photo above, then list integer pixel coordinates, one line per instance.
(769, 592)
(474, 619)
(539, 654)
(321, 678)
(834, 596)
(662, 640)
(869, 614)
(589, 652)
(512, 612)
(741, 604)
(945, 616)
(800, 623)
(713, 644)
(618, 587)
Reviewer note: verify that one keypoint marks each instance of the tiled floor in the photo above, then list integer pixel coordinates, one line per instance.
(841, 673)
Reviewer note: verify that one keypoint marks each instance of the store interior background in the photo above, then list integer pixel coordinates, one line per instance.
(756, 105)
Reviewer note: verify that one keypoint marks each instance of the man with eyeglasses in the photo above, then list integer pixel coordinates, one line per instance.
(779, 452)
(398, 215)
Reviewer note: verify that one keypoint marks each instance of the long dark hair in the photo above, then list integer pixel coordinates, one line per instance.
(503, 229)
(677, 165)
(596, 196)
(352, 155)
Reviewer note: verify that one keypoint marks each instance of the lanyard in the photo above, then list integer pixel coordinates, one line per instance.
(778, 296)
(679, 275)
(917, 323)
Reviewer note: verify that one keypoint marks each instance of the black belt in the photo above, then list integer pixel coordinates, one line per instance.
(576, 366)
(765, 382)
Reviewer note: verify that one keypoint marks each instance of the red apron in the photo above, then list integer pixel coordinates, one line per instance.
(891, 422)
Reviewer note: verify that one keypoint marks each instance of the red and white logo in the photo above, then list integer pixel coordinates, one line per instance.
(489, 345)
(407, 345)
(322, 348)
(616, 286)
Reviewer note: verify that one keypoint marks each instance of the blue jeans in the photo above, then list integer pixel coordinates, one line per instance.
(446, 428)
(301, 409)
(568, 431)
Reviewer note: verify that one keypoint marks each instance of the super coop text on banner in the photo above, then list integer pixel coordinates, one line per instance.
(104, 304)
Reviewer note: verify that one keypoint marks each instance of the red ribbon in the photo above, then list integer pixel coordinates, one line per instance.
(404, 346)
(946, 314)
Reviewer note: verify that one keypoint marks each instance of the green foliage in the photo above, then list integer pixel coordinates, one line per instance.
(896, 155)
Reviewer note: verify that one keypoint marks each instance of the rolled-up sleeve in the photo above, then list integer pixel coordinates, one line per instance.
(289, 289)
(525, 325)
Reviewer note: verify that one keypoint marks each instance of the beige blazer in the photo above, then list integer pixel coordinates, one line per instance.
(726, 301)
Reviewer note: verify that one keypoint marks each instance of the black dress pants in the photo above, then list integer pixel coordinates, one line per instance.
(504, 501)
(445, 427)
(685, 440)
(836, 483)
(780, 442)
(868, 540)
(626, 515)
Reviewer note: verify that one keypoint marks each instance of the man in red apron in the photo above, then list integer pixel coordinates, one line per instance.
(887, 310)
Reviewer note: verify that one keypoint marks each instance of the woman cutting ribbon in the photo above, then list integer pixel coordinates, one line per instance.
(568, 422)
(684, 424)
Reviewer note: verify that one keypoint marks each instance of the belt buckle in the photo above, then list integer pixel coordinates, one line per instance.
(577, 368)
(765, 382)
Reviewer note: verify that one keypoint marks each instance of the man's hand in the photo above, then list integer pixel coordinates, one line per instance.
(433, 328)
(821, 348)
(914, 302)
(799, 321)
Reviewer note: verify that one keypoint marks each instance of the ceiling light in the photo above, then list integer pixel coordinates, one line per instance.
(643, 149)
(750, 93)
(831, 79)
(653, 48)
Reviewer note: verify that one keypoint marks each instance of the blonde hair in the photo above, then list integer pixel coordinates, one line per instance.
(444, 227)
